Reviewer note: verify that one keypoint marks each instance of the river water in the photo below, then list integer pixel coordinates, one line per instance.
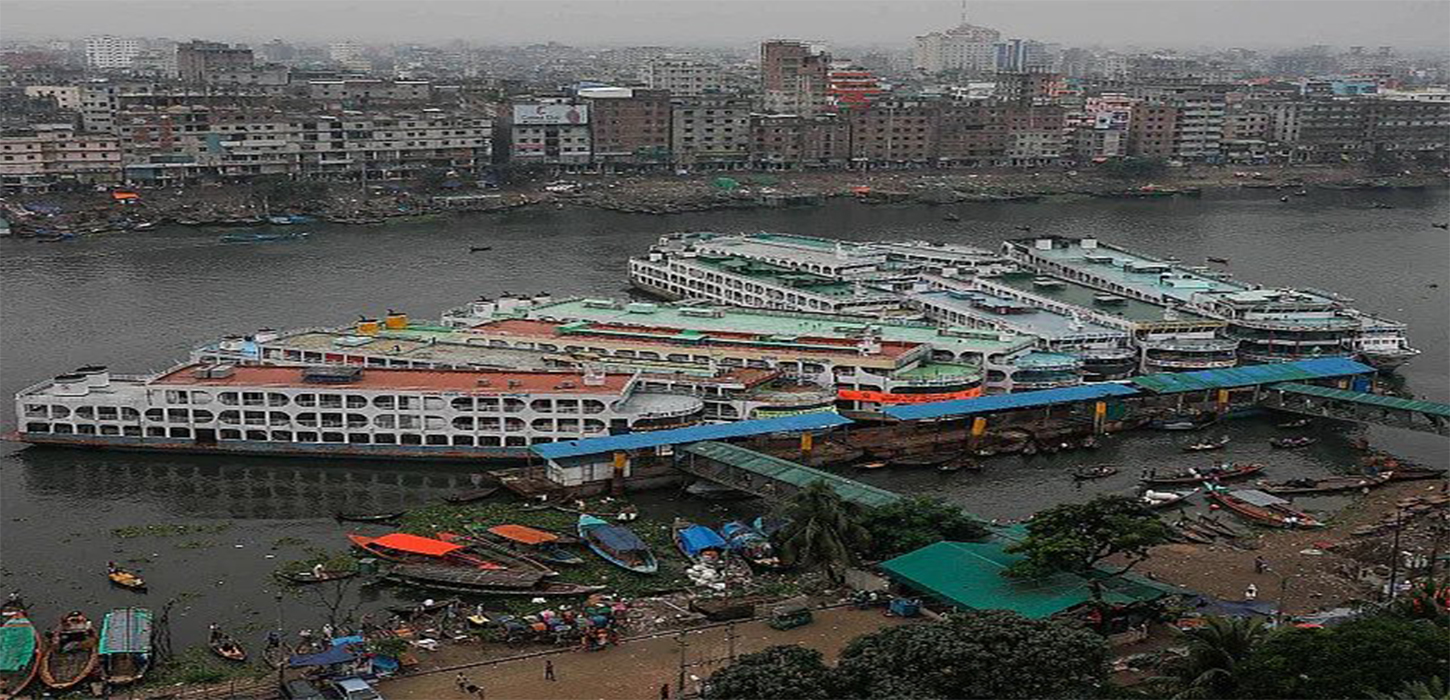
(138, 302)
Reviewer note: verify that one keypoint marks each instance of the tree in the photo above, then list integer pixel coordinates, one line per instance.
(994, 654)
(1352, 660)
(780, 672)
(912, 523)
(1076, 537)
(1215, 653)
(1433, 689)
(825, 531)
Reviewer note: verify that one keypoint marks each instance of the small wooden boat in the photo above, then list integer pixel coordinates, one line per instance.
(1164, 499)
(1217, 527)
(1221, 261)
(21, 649)
(1100, 471)
(72, 652)
(617, 545)
(1333, 484)
(1195, 476)
(926, 460)
(750, 544)
(879, 464)
(1183, 532)
(541, 545)
(125, 579)
(960, 464)
(480, 582)
(125, 645)
(1263, 508)
(509, 558)
(315, 576)
(224, 646)
(1293, 443)
(262, 237)
(698, 543)
(426, 607)
(1206, 445)
(367, 517)
(412, 549)
(711, 491)
(1402, 473)
(951, 217)
(471, 496)
(480, 248)
(1299, 423)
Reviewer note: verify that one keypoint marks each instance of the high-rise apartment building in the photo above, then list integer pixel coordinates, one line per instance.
(967, 48)
(110, 52)
(202, 61)
(683, 77)
(793, 77)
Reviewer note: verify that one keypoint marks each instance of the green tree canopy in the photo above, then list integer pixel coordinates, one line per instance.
(777, 673)
(1216, 652)
(1076, 537)
(825, 531)
(1380, 654)
(993, 654)
(912, 523)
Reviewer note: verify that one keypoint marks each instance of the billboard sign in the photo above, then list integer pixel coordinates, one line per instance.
(551, 114)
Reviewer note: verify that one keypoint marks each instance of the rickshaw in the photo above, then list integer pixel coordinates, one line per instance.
(784, 617)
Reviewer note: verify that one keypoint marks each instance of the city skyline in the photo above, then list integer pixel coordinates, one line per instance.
(1185, 24)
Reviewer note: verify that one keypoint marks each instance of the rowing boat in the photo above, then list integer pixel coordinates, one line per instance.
(125, 645)
(72, 652)
(1263, 508)
(617, 545)
(412, 549)
(541, 544)
(1194, 476)
(1333, 484)
(21, 650)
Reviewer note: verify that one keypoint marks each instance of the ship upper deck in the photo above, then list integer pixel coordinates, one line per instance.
(1088, 298)
(776, 275)
(773, 322)
(649, 335)
(474, 382)
(1043, 323)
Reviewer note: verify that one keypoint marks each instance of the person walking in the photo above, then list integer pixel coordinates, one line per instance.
(549, 670)
(1260, 566)
(665, 692)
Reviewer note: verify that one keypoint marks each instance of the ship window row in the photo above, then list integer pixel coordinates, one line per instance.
(39, 410)
(509, 405)
(304, 436)
(587, 426)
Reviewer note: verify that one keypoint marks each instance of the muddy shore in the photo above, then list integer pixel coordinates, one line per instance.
(94, 212)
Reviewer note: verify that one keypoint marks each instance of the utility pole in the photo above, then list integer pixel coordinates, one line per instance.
(730, 637)
(1395, 554)
(682, 645)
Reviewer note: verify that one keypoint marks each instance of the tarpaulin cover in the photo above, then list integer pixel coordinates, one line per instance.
(523, 534)
(698, 538)
(404, 542)
(17, 644)
(126, 631)
(334, 655)
(612, 537)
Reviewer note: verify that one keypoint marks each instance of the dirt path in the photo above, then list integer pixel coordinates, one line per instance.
(637, 669)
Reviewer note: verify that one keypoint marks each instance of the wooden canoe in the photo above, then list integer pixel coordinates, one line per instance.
(126, 579)
(1241, 471)
(19, 638)
(72, 652)
(471, 495)
(227, 648)
(310, 577)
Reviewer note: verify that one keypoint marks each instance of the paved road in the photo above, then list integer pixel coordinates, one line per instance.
(636, 670)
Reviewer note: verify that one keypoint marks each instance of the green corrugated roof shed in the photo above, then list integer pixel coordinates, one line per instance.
(1249, 375)
(970, 575)
(1430, 407)
(790, 472)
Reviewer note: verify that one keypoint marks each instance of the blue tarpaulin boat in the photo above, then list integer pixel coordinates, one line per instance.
(698, 542)
(750, 544)
(617, 545)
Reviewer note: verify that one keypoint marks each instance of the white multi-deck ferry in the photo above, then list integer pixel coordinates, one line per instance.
(341, 411)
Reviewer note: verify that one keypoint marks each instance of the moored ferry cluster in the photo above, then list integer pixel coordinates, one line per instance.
(760, 326)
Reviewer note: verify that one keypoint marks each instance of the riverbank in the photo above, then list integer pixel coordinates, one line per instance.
(60, 216)
(1312, 570)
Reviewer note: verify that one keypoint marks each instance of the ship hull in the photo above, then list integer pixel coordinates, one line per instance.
(437, 453)
(1387, 361)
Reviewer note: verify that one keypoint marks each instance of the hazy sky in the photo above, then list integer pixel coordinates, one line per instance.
(1168, 23)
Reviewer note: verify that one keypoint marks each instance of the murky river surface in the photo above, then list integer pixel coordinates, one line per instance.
(138, 302)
